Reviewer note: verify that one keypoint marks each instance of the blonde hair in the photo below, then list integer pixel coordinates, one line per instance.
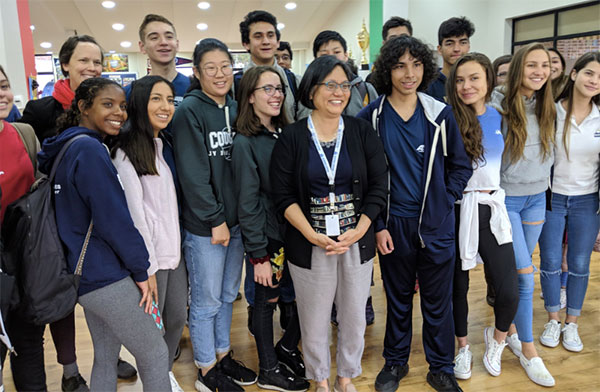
(514, 108)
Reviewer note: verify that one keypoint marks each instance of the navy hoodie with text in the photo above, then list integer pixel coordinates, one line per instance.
(87, 186)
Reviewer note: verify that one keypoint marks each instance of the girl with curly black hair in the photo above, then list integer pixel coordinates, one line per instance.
(429, 169)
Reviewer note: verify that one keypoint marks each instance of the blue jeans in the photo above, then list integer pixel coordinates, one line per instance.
(578, 215)
(526, 214)
(215, 273)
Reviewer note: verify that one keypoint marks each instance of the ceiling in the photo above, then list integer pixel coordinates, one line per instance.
(55, 20)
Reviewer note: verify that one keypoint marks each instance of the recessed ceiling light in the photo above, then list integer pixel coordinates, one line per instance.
(32, 27)
(280, 26)
(202, 26)
(46, 45)
(126, 44)
(111, 51)
(290, 6)
(108, 4)
(204, 5)
(49, 52)
(118, 26)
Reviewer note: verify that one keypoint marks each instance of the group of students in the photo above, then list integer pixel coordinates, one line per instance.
(309, 178)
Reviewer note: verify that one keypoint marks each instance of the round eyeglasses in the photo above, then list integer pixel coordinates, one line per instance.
(211, 70)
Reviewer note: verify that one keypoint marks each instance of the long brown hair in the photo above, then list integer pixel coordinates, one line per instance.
(514, 108)
(465, 114)
(569, 90)
(247, 122)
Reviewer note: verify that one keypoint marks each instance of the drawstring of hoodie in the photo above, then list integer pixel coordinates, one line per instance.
(227, 119)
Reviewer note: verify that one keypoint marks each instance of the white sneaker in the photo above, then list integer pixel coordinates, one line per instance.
(536, 371)
(492, 358)
(462, 363)
(571, 340)
(174, 384)
(514, 344)
(551, 335)
(563, 298)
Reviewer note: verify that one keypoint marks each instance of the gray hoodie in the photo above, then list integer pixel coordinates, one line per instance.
(529, 175)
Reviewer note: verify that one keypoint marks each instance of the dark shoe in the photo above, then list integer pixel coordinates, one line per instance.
(250, 313)
(74, 384)
(125, 370)
(491, 295)
(236, 370)
(286, 312)
(490, 300)
(214, 381)
(281, 379)
(369, 312)
(334, 315)
(238, 296)
(177, 352)
(389, 377)
(443, 382)
(291, 359)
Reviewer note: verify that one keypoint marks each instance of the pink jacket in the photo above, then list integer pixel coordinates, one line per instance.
(152, 202)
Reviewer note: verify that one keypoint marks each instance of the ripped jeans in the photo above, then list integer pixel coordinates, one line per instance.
(578, 215)
(526, 214)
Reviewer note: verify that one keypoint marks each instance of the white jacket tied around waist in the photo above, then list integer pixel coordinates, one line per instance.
(468, 233)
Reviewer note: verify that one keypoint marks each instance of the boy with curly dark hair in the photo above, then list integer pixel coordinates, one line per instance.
(429, 169)
(453, 41)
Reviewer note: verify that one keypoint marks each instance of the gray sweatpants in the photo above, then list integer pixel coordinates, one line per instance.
(344, 279)
(172, 303)
(114, 318)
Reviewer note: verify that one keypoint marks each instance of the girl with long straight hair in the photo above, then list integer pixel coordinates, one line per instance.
(148, 181)
(574, 203)
(261, 115)
(482, 221)
(528, 128)
(212, 242)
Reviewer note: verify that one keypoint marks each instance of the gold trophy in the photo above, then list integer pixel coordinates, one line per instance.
(363, 42)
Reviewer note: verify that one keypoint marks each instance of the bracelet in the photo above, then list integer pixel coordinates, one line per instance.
(259, 260)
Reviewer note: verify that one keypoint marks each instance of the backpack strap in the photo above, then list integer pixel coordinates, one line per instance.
(30, 141)
(61, 153)
(364, 93)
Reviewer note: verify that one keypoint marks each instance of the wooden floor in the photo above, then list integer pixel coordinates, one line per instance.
(572, 371)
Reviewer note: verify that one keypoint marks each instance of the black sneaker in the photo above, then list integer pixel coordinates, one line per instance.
(389, 377)
(250, 313)
(236, 370)
(215, 380)
(443, 382)
(281, 379)
(292, 359)
(125, 370)
(238, 296)
(369, 312)
(74, 384)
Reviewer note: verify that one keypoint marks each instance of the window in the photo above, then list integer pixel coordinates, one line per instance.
(573, 30)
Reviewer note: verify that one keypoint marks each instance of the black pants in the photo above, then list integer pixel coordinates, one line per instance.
(501, 273)
(435, 266)
(28, 365)
(262, 318)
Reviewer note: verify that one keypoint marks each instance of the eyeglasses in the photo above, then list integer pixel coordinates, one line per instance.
(211, 70)
(269, 89)
(332, 86)
(285, 57)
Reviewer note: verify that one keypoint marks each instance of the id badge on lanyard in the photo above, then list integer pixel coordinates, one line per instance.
(332, 221)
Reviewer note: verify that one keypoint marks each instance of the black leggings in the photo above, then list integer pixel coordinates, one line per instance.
(500, 269)
(262, 319)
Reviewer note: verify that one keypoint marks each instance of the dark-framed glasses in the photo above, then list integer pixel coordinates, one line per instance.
(211, 70)
(332, 86)
(269, 89)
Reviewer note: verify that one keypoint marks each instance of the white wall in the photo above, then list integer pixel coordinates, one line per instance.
(492, 19)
